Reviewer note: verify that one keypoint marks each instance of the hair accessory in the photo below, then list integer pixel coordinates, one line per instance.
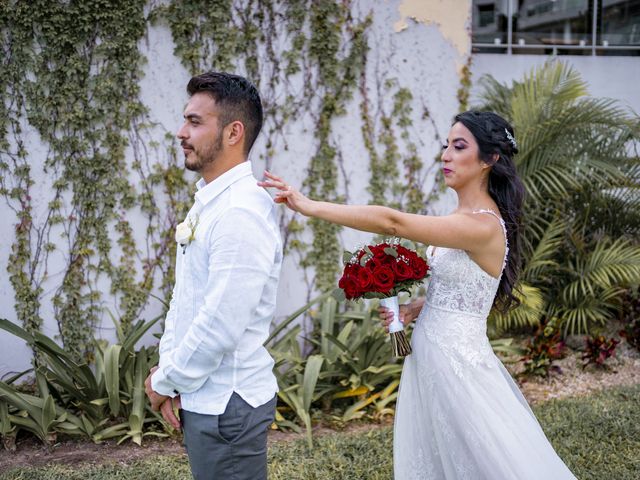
(512, 140)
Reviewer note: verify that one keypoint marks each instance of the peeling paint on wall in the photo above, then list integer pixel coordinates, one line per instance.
(451, 17)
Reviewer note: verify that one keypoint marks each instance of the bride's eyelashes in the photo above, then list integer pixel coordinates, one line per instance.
(457, 147)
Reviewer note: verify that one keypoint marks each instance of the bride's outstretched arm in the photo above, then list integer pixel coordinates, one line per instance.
(463, 231)
(368, 218)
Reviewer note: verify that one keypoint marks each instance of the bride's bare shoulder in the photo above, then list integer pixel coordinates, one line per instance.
(457, 230)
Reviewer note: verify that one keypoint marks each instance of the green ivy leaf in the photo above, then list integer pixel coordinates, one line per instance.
(391, 251)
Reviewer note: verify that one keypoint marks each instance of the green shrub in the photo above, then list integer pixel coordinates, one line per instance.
(346, 366)
(580, 168)
(102, 401)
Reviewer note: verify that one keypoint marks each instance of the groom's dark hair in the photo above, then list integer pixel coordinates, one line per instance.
(236, 97)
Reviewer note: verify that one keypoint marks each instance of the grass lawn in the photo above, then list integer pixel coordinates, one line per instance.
(597, 436)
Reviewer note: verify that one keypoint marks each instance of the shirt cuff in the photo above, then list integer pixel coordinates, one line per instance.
(161, 385)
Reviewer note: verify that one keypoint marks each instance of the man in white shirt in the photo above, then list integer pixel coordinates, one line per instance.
(213, 365)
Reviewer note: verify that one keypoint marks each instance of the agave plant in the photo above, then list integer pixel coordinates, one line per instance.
(101, 401)
(358, 357)
(38, 414)
(348, 361)
(579, 163)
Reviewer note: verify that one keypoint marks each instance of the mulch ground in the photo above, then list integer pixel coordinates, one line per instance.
(574, 381)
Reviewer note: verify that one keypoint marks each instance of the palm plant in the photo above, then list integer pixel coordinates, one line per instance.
(579, 163)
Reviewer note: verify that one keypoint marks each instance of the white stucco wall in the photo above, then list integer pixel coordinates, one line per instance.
(610, 77)
(421, 44)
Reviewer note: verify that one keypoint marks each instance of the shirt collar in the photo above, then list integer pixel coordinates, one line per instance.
(208, 191)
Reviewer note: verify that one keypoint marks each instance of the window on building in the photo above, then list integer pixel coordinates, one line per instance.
(562, 27)
(619, 25)
(489, 25)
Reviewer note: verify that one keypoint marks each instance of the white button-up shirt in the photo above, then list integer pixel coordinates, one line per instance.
(224, 298)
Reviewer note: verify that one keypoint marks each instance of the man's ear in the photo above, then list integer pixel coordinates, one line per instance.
(234, 133)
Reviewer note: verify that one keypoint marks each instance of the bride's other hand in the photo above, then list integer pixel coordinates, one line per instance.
(287, 194)
(386, 316)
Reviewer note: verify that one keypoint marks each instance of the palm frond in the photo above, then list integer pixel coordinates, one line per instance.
(543, 257)
(528, 313)
(588, 309)
(578, 158)
(611, 263)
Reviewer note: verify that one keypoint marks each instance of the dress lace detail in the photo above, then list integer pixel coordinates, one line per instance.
(459, 414)
(459, 286)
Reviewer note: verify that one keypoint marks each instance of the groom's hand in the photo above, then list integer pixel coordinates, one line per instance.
(169, 410)
(154, 398)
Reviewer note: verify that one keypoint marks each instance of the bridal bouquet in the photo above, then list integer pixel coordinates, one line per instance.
(383, 271)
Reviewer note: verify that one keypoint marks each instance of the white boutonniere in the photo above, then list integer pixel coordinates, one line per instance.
(186, 232)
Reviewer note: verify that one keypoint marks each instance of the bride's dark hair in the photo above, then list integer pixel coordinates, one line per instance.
(495, 136)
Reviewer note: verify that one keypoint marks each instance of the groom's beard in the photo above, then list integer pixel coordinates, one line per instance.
(196, 160)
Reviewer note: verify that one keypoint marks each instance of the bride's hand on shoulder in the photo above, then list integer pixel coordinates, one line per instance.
(287, 194)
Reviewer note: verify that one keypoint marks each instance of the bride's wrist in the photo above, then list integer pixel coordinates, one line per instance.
(312, 208)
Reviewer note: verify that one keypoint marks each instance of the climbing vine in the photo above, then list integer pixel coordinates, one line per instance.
(388, 185)
(337, 76)
(465, 85)
(323, 44)
(71, 75)
(72, 70)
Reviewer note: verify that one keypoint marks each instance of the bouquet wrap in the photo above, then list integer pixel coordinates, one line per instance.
(391, 303)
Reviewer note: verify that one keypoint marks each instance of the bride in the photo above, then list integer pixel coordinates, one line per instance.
(459, 414)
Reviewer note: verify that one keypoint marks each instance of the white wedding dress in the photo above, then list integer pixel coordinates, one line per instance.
(459, 414)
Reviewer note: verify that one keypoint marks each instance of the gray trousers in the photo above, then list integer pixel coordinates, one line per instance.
(231, 446)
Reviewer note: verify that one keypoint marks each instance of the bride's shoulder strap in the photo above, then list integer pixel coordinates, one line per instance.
(491, 212)
(504, 230)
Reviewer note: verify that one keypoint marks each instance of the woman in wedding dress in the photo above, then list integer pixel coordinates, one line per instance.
(459, 414)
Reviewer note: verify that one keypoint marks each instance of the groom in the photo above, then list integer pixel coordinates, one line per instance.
(213, 366)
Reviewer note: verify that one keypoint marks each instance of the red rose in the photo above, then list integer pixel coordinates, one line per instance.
(390, 259)
(351, 269)
(364, 280)
(350, 287)
(402, 270)
(374, 263)
(378, 250)
(383, 279)
(420, 268)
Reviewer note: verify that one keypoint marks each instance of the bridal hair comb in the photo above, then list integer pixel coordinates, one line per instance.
(512, 140)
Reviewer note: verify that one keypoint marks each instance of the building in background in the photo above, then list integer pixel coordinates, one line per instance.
(599, 38)
(562, 27)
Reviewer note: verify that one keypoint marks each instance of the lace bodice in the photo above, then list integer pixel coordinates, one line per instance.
(459, 298)
(458, 284)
